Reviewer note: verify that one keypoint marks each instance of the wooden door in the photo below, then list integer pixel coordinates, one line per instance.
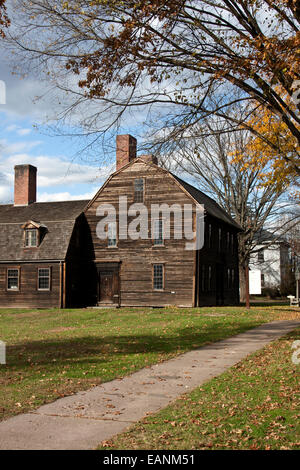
(105, 286)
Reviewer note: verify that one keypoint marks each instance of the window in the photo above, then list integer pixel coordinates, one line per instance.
(13, 276)
(228, 241)
(158, 276)
(260, 256)
(44, 279)
(262, 277)
(232, 277)
(220, 240)
(209, 236)
(209, 277)
(31, 239)
(203, 278)
(112, 234)
(139, 190)
(158, 232)
(228, 278)
(232, 243)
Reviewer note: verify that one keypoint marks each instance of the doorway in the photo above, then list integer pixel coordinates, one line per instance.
(105, 286)
(108, 283)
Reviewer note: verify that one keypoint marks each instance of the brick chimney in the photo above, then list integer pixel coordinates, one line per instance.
(126, 149)
(25, 185)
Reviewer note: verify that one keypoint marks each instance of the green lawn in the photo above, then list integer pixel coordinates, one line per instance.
(53, 353)
(254, 405)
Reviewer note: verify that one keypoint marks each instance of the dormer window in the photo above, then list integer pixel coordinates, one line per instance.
(34, 233)
(31, 237)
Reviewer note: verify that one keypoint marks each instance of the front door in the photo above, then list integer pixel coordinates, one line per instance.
(106, 286)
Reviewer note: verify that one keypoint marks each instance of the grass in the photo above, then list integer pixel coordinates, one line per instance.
(54, 353)
(254, 405)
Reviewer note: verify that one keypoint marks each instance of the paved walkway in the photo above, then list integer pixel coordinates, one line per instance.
(83, 420)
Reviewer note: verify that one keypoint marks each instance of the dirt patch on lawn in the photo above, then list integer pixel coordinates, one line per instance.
(25, 314)
(62, 328)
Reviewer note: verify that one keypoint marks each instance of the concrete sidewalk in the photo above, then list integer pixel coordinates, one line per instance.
(83, 420)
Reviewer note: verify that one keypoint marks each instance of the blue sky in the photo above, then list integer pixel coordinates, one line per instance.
(62, 173)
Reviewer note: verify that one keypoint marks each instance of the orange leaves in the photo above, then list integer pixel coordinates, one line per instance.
(4, 21)
(272, 150)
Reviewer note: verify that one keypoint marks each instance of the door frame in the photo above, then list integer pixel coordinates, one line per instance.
(114, 269)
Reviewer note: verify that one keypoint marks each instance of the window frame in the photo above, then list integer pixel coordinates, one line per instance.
(220, 239)
(162, 239)
(110, 224)
(31, 230)
(44, 289)
(209, 236)
(209, 278)
(163, 277)
(229, 278)
(261, 256)
(135, 192)
(203, 283)
(9, 289)
(228, 241)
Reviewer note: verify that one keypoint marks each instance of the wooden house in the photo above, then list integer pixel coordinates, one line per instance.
(51, 254)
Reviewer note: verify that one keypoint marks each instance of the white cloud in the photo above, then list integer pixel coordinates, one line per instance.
(5, 194)
(65, 196)
(24, 131)
(8, 148)
(21, 94)
(54, 173)
(11, 128)
(19, 130)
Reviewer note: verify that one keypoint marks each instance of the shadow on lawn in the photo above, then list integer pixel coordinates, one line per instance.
(101, 349)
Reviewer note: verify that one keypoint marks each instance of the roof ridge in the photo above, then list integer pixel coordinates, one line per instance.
(46, 202)
(228, 216)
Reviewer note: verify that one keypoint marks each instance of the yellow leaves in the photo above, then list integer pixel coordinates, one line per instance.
(272, 150)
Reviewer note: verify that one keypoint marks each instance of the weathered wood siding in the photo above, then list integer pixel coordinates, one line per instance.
(79, 283)
(224, 287)
(28, 294)
(137, 257)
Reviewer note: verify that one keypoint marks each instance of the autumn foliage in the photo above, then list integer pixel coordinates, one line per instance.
(4, 21)
(194, 56)
(271, 150)
(235, 44)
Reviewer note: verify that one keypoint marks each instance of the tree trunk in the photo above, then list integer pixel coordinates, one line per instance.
(242, 283)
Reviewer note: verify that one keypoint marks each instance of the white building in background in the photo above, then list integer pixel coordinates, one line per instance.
(269, 267)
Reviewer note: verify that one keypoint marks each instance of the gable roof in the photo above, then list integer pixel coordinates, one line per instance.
(211, 206)
(59, 219)
(264, 236)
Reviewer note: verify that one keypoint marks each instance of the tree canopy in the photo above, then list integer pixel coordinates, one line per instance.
(188, 57)
(4, 21)
(237, 185)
